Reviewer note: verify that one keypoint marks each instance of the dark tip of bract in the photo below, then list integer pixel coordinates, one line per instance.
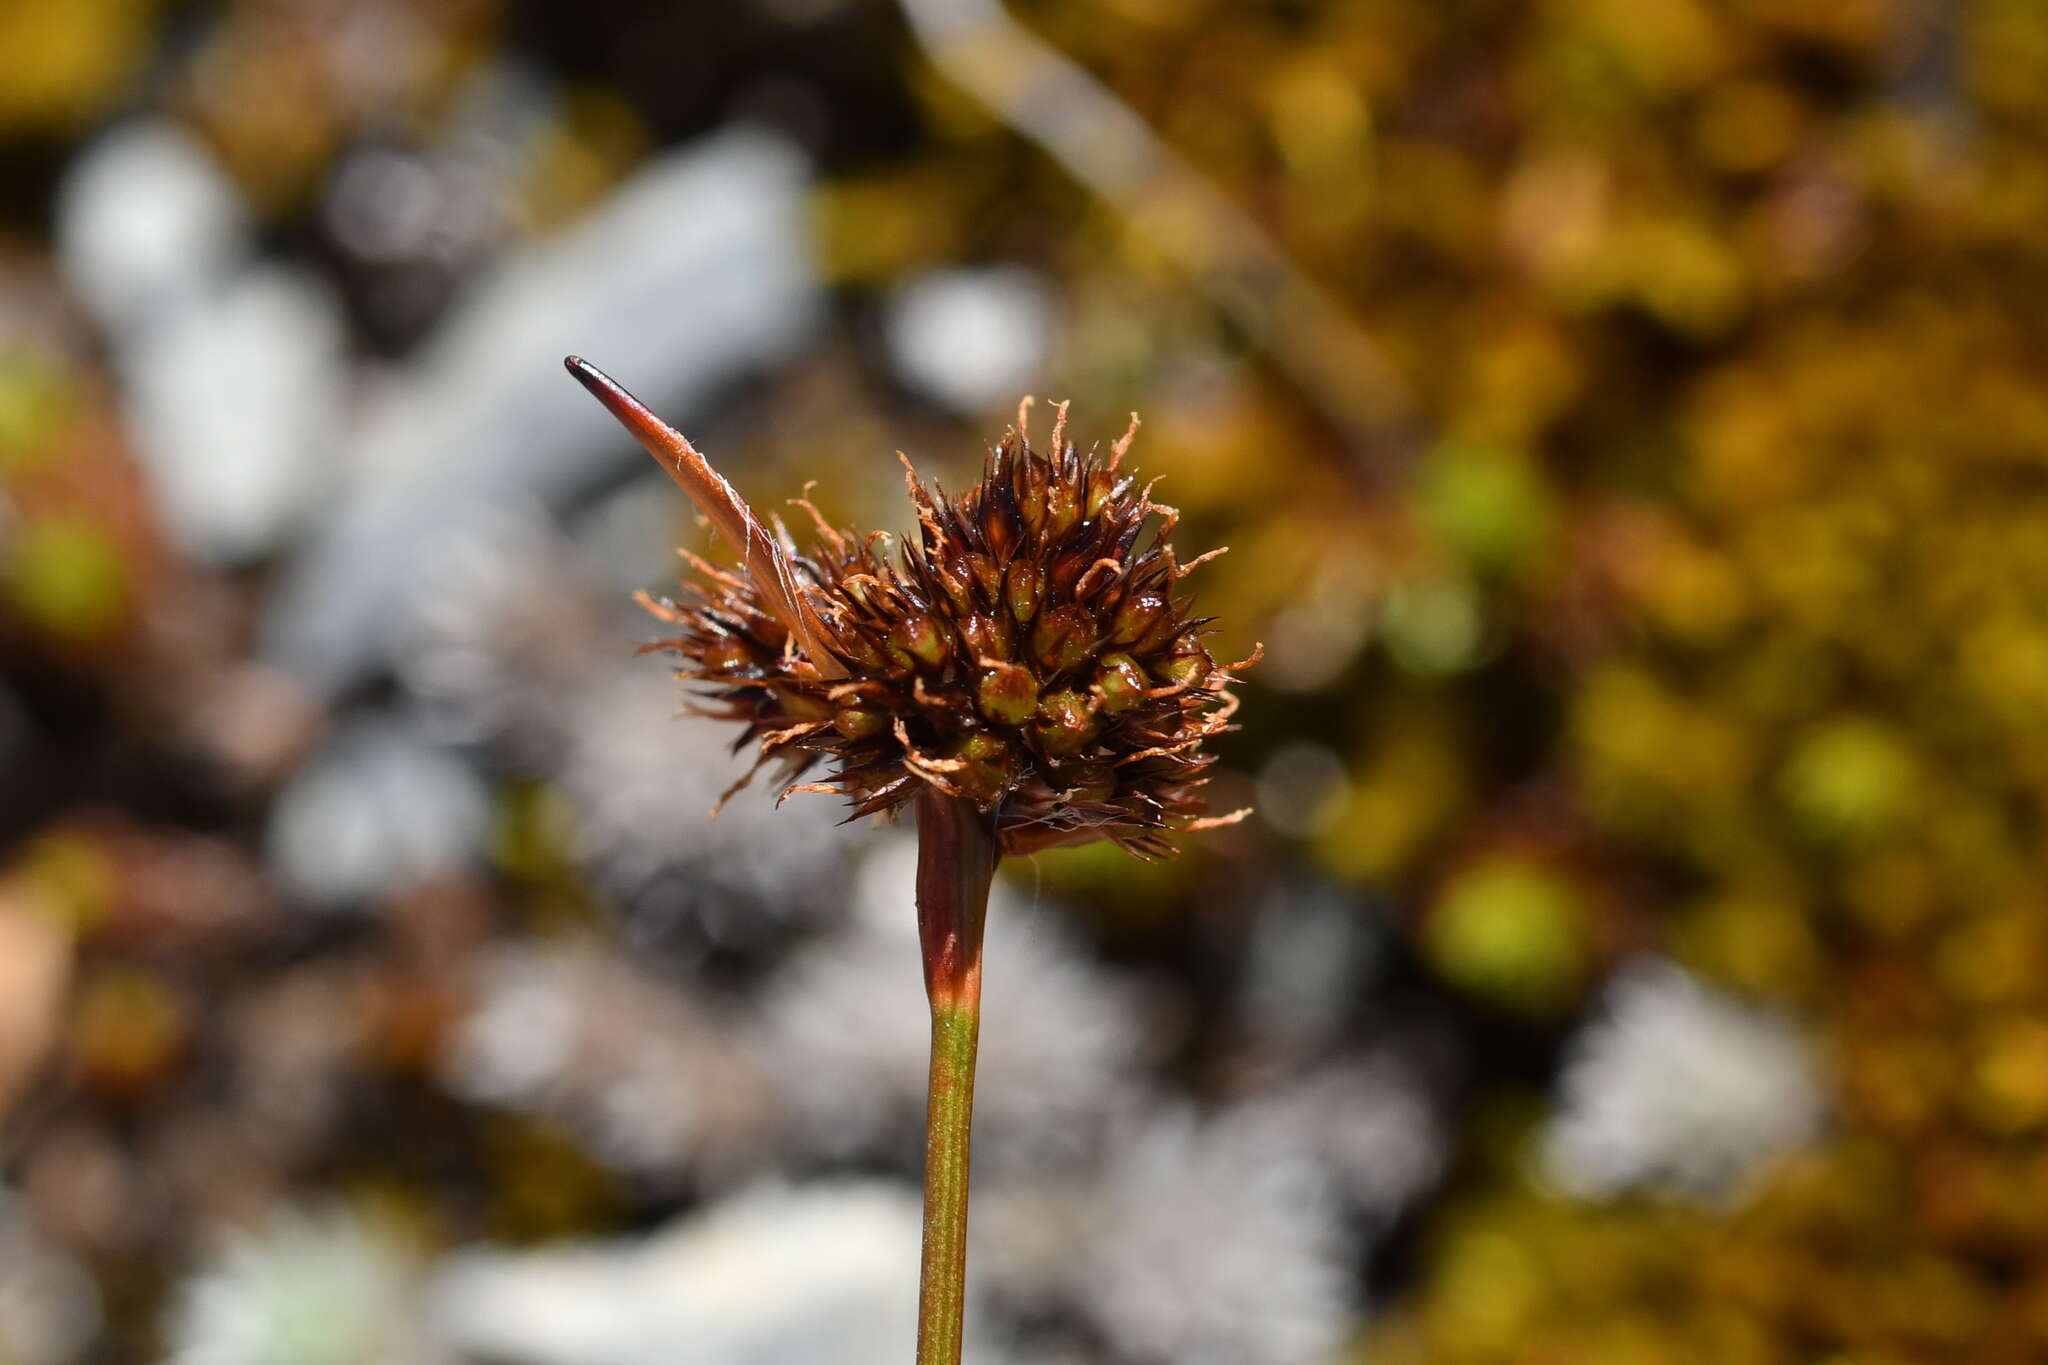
(601, 385)
(634, 415)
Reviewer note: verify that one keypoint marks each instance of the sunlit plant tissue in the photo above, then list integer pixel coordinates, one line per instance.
(1023, 675)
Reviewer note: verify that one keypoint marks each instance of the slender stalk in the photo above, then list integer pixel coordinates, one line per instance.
(956, 860)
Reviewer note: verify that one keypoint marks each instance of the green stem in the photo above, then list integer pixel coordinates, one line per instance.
(942, 1282)
(956, 861)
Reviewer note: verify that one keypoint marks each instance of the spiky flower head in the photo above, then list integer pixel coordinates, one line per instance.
(1030, 653)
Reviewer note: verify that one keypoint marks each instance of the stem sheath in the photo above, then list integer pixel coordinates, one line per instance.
(956, 861)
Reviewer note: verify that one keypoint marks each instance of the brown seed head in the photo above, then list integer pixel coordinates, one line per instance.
(1029, 652)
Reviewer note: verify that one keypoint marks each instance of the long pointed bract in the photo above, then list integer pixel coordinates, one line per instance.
(766, 563)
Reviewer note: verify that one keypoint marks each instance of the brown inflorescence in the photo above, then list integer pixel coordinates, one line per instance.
(1031, 652)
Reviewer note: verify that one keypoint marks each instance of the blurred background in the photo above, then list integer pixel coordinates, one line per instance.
(1628, 421)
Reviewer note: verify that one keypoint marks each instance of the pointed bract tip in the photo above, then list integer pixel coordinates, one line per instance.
(767, 563)
(669, 447)
(636, 415)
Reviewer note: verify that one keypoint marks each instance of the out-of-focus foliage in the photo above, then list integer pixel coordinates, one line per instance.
(1638, 474)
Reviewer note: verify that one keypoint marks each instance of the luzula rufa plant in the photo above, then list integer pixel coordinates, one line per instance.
(1023, 675)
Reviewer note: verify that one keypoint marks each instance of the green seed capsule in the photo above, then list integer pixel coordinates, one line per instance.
(1000, 523)
(1063, 638)
(955, 585)
(1066, 723)
(1026, 589)
(921, 637)
(1062, 508)
(1031, 507)
(1138, 615)
(1187, 670)
(1085, 781)
(1100, 487)
(863, 651)
(988, 636)
(987, 773)
(1007, 695)
(980, 747)
(987, 577)
(856, 722)
(800, 706)
(1120, 682)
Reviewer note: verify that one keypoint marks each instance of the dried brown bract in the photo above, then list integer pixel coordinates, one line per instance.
(1032, 652)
